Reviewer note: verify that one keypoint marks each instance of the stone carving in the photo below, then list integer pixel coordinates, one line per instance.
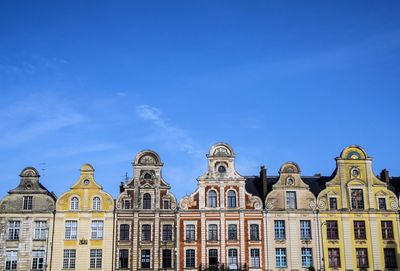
(187, 202)
(221, 151)
(147, 160)
(393, 203)
(322, 204)
(270, 204)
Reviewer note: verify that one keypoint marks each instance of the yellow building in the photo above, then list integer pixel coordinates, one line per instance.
(84, 226)
(358, 217)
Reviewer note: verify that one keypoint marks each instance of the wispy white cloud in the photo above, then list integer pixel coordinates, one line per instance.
(170, 134)
(35, 116)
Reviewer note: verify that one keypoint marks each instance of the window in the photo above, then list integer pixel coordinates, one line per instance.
(167, 233)
(280, 229)
(145, 258)
(291, 200)
(357, 200)
(13, 229)
(232, 257)
(255, 257)
(213, 232)
(232, 232)
(190, 232)
(212, 199)
(166, 204)
(213, 257)
(333, 257)
(37, 259)
(333, 203)
(231, 199)
(123, 258)
(27, 205)
(146, 232)
(71, 227)
(190, 258)
(11, 260)
(387, 230)
(280, 254)
(166, 258)
(359, 230)
(69, 258)
(124, 232)
(332, 230)
(254, 232)
(390, 257)
(305, 229)
(96, 256)
(74, 203)
(382, 203)
(146, 201)
(127, 204)
(97, 229)
(306, 257)
(96, 203)
(40, 230)
(362, 257)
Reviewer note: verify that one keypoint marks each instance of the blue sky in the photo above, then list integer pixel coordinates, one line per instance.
(97, 81)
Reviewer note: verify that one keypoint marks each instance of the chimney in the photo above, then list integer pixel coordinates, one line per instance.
(121, 187)
(263, 178)
(385, 176)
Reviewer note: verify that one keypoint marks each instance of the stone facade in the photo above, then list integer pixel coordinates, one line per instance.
(358, 217)
(26, 224)
(145, 218)
(346, 221)
(291, 222)
(84, 226)
(220, 224)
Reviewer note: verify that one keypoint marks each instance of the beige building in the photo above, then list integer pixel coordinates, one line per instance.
(291, 223)
(26, 223)
(84, 226)
(145, 218)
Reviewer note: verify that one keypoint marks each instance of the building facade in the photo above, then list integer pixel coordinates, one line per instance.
(220, 225)
(146, 218)
(358, 217)
(26, 224)
(291, 223)
(84, 226)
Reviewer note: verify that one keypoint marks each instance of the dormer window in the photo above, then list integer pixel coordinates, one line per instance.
(231, 199)
(74, 203)
(291, 200)
(382, 204)
(212, 199)
(357, 199)
(96, 203)
(146, 201)
(332, 203)
(27, 205)
(127, 204)
(166, 204)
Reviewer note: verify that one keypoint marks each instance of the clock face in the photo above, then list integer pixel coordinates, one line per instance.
(290, 181)
(221, 169)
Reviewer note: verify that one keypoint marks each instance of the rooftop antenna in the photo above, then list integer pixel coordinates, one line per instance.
(125, 177)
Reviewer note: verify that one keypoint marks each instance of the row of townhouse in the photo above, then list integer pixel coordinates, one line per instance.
(346, 221)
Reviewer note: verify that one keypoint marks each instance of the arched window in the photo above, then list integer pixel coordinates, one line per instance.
(146, 201)
(74, 203)
(96, 203)
(212, 199)
(231, 199)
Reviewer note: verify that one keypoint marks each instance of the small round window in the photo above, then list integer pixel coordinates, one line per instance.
(355, 172)
(221, 169)
(147, 176)
(290, 181)
(28, 186)
(86, 182)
